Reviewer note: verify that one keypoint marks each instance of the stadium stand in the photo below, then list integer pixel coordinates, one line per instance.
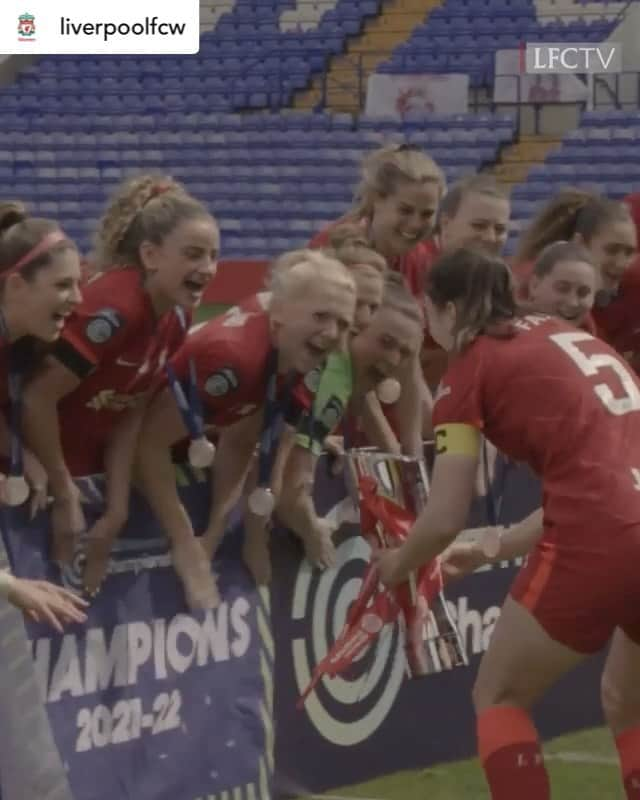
(72, 127)
(256, 56)
(463, 35)
(602, 154)
(271, 179)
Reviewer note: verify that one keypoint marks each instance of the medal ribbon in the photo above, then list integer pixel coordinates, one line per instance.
(276, 404)
(188, 402)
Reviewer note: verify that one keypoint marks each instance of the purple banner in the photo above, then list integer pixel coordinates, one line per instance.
(149, 701)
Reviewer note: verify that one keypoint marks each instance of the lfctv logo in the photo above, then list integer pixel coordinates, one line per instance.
(544, 58)
(142, 27)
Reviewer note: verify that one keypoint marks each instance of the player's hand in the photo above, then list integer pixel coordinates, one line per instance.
(45, 602)
(37, 478)
(67, 523)
(100, 539)
(318, 543)
(460, 559)
(334, 445)
(389, 566)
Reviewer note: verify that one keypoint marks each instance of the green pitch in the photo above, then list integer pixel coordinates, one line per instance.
(582, 766)
(209, 310)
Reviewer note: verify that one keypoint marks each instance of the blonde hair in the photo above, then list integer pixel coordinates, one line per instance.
(385, 169)
(570, 212)
(301, 268)
(145, 209)
(397, 297)
(348, 243)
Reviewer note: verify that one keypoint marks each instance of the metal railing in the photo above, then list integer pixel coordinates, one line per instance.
(616, 87)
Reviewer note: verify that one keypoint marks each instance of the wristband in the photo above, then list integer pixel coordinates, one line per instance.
(7, 582)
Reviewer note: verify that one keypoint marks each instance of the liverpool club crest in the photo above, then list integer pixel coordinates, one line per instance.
(26, 27)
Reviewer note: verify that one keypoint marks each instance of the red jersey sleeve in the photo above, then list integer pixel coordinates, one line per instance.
(459, 398)
(98, 329)
(220, 377)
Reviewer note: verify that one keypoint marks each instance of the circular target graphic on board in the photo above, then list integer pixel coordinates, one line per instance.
(349, 708)
(71, 574)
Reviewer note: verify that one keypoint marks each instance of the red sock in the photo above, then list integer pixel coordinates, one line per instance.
(628, 744)
(510, 753)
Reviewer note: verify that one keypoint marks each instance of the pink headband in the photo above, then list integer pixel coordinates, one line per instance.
(158, 189)
(46, 244)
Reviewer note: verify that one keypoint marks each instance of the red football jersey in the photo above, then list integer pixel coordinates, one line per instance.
(115, 344)
(619, 322)
(565, 403)
(414, 265)
(230, 356)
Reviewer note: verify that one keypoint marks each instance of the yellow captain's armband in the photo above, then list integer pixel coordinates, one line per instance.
(457, 439)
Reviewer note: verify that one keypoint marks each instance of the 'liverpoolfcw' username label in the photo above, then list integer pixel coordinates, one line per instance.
(120, 27)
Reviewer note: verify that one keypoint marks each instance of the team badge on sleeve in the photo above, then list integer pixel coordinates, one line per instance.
(102, 325)
(221, 382)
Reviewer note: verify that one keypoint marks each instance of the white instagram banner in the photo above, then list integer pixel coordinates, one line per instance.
(116, 27)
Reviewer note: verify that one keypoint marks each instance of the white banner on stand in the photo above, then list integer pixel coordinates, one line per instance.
(513, 85)
(398, 95)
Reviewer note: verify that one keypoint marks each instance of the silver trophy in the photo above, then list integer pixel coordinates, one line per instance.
(432, 641)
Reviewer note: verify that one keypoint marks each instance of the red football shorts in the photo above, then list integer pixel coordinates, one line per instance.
(580, 596)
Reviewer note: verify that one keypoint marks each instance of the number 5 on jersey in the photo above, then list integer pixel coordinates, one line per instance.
(602, 365)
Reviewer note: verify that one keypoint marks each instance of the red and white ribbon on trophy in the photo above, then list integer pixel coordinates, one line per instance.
(418, 603)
